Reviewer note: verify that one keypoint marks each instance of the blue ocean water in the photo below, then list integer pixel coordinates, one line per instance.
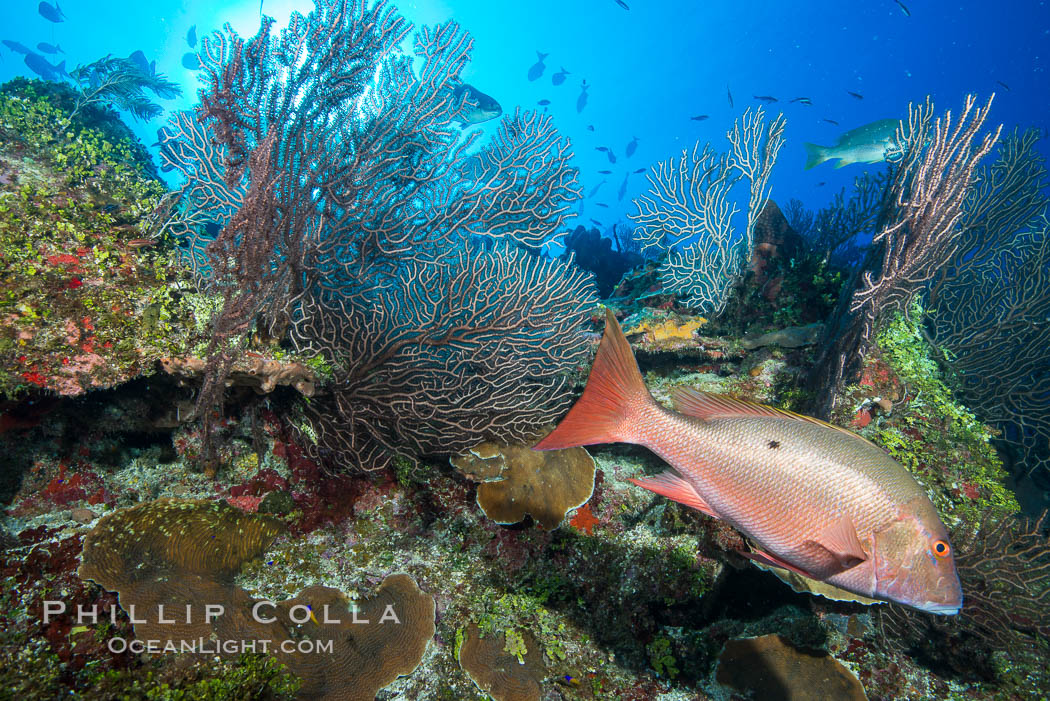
(653, 67)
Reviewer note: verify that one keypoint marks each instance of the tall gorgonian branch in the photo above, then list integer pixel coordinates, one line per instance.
(688, 213)
(917, 232)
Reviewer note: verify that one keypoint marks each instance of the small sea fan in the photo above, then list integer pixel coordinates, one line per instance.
(123, 83)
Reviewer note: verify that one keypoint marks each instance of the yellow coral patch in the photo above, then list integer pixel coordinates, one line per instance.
(668, 329)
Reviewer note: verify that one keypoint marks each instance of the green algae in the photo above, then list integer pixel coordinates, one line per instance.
(85, 304)
(932, 434)
(661, 658)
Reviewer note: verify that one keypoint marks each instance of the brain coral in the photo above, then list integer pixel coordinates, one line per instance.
(516, 480)
(168, 559)
(501, 673)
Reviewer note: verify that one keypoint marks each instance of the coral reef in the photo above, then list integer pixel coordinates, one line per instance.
(90, 299)
(355, 282)
(441, 329)
(939, 440)
(508, 667)
(258, 373)
(988, 301)
(517, 481)
(768, 667)
(915, 233)
(592, 251)
(178, 556)
(687, 203)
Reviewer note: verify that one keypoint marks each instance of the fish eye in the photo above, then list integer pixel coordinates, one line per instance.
(941, 548)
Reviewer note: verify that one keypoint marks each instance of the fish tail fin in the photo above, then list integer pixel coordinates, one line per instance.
(815, 155)
(541, 55)
(614, 401)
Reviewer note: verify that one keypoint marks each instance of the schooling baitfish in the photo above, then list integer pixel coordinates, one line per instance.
(814, 498)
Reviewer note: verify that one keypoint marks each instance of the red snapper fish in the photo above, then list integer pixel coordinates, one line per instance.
(814, 498)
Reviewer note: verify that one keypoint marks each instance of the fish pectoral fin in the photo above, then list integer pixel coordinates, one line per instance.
(841, 542)
(769, 560)
(673, 487)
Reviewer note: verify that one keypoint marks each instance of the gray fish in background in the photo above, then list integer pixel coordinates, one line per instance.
(623, 188)
(768, 99)
(139, 59)
(537, 68)
(581, 101)
(871, 143)
(594, 190)
(559, 77)
(640, 170)
(191, 61)
(605, 172)
(904, 9)
(477, 106)
(611, 155)
(52, 13)
(803, 100)
(730, 96)
(791, 337)
(191, 37)
(699, 117)
(40, 65)
(622, 4)
(50, 48)
(602, 205)
(631, 147)
(596, 222)
(855, 94)
(16, 47)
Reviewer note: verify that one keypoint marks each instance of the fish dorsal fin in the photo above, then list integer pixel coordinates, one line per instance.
(840, 539)
(706, 407)
(672, 486)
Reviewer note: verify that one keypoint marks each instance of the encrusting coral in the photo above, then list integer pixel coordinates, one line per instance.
(91, 299)
(509, 667)
(169, 559)
(767, 667)
(261, 374)
(518, 481)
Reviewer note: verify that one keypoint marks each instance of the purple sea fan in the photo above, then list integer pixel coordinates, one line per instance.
(351, 216)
